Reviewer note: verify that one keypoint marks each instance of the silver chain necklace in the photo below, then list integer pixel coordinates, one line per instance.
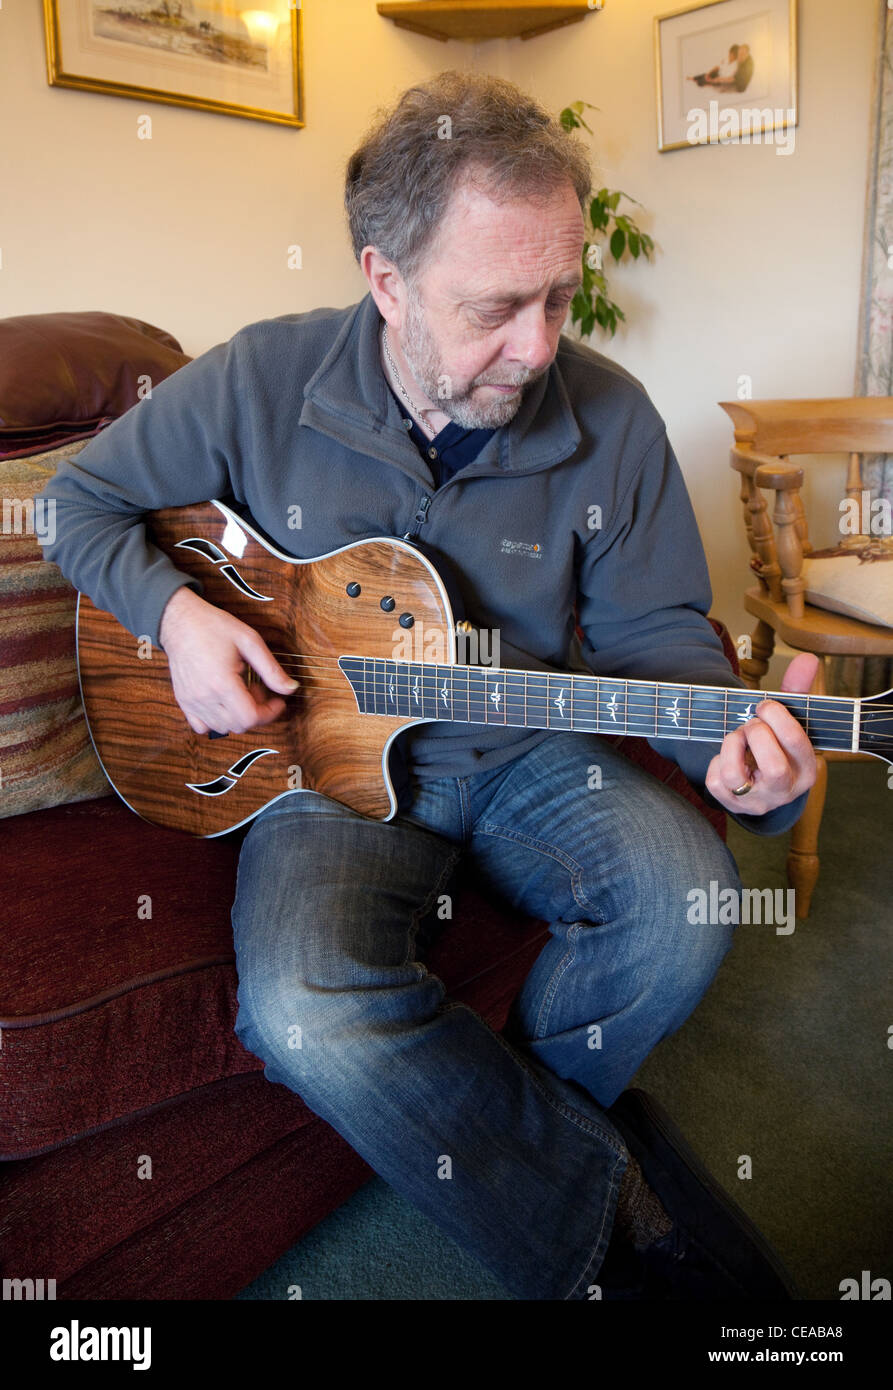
(403, 391)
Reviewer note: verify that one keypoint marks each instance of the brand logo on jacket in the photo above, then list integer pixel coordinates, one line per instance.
(531, 549)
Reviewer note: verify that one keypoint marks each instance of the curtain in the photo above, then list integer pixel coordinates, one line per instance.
(874, 367)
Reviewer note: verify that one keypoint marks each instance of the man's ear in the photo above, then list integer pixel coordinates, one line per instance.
(386, 286)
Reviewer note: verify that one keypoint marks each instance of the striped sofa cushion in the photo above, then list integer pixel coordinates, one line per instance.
(46, 757)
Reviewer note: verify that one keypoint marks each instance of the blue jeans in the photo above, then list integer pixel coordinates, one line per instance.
(501, 1139)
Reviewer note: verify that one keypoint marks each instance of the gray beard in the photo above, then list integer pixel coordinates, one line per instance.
(421, 353)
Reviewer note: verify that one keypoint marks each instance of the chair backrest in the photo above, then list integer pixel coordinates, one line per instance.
(833, 425)
(856, 425)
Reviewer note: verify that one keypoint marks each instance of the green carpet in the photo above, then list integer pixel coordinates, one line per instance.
(786, 1061)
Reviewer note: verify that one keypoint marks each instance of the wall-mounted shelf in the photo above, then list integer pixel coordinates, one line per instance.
(485, 19)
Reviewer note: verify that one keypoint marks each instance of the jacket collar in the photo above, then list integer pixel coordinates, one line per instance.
(347, 398)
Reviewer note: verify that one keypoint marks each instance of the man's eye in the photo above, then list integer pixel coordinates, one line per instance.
(554, 307)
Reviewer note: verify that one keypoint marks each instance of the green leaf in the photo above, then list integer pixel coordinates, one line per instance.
(612, 201)
(572, 115)
(618, 243)
(598, 215)
(634, 245)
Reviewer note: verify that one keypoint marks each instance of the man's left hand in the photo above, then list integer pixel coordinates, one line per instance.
(771, 750)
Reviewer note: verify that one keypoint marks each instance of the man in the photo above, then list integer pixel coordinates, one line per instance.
(446, 408)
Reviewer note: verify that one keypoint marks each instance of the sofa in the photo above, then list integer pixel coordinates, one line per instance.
(143, 1154)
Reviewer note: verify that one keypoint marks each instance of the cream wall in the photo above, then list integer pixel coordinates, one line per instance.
(759, 255)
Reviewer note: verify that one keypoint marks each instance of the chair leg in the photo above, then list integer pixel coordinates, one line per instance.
(803, 859)
(762, 644)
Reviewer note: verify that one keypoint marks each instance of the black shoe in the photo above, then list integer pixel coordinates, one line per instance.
(713, 1250)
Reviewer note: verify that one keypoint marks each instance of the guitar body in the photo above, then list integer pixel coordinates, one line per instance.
(368, 631)
(209, 785)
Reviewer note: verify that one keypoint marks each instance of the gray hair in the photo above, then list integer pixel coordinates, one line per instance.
(401, 178)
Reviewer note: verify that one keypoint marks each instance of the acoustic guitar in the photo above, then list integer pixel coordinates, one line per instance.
(369, 632)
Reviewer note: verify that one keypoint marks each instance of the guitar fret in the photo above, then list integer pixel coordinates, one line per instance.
(599, 704)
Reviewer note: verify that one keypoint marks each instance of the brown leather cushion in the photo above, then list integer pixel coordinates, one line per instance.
(64, 376)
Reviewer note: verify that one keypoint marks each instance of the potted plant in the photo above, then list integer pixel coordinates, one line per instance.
(591, 304)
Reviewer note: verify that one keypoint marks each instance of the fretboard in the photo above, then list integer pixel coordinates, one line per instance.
(594, 704)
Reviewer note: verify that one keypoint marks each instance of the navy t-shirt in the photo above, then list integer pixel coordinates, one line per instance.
(449, 450)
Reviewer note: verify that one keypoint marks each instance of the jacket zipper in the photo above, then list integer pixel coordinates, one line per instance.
(421, 516)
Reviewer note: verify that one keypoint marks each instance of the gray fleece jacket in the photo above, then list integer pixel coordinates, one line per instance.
(580, 498)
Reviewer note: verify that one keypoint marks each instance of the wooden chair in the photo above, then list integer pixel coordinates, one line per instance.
(766, 433)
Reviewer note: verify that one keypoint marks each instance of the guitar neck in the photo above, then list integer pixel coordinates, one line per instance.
(585, 703)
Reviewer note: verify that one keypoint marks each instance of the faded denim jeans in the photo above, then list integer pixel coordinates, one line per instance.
(335, 998)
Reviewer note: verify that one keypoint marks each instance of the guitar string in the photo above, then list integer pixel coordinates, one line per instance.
(705, 728)
(331, 663)
(379, 681)
(643, 708)
(700, 725)
(297, 661)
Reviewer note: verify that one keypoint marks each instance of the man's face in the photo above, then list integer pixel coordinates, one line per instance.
(487, 310)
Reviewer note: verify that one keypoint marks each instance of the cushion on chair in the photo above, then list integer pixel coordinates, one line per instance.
(857, 583)
(64, 376)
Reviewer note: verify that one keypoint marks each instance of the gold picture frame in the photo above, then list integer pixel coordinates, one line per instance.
(710, 31)
(246, 63)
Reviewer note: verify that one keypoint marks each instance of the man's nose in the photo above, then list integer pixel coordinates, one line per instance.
(532, 338)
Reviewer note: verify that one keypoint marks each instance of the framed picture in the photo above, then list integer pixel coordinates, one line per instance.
(727, 74)
(208, 54)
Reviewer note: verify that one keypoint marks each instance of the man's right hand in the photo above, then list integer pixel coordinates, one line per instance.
(207, 650)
